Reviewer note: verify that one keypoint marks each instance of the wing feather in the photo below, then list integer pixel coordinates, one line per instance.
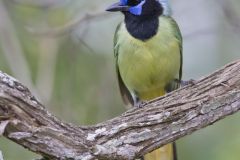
(126, 95)
(176, 82)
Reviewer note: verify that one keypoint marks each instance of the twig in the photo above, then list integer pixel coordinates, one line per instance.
(68, 27)
(41, 4)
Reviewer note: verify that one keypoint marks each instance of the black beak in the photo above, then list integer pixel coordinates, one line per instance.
(117, 7)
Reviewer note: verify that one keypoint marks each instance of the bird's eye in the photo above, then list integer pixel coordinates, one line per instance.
(134, 2)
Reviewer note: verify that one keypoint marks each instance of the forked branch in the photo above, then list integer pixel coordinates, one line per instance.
(26, 121)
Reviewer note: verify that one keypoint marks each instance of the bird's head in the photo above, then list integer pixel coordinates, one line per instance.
(139, 7)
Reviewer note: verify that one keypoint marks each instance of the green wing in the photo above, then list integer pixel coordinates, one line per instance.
(179, 37)
(126, 95)
(177, 33)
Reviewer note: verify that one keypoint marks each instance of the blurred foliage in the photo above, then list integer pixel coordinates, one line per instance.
(72, 68)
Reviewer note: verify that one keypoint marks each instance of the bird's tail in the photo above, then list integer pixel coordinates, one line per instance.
(167, 152)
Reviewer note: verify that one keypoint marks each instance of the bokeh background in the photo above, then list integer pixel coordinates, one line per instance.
(62, 50)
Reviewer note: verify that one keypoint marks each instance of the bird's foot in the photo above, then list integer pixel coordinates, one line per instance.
(189, 82)
(140, 104)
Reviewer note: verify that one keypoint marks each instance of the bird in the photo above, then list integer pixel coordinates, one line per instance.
(148, 55)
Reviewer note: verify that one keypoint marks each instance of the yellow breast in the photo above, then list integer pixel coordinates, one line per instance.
(146, 67)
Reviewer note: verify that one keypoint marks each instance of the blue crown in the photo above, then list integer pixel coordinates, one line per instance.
(136, 10)
(123, 2)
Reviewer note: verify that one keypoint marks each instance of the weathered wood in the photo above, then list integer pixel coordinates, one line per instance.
(132, 134)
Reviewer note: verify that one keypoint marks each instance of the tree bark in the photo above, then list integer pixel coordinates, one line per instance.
(26, 121)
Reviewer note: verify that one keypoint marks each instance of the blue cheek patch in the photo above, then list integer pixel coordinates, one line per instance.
(136, 10)
(123, 2)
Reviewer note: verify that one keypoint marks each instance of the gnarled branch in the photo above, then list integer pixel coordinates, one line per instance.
(134, 133)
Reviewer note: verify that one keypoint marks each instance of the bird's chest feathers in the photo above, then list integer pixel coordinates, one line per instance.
(148, 64)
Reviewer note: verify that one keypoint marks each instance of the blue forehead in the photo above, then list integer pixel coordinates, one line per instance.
(123, 2)
(136, 10)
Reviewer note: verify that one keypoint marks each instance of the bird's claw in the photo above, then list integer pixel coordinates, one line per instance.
(189, 82)
(140, 104)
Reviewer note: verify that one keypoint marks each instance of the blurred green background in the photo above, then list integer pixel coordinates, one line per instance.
(62, 50)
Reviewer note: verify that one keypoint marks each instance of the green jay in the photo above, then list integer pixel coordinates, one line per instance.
(148, 52)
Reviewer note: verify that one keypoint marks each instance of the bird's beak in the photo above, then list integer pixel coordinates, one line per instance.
(117, 7)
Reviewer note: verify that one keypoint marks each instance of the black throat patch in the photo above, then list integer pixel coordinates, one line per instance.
(142, 27)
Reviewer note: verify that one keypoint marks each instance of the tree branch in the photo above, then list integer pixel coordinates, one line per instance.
(128, 136)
